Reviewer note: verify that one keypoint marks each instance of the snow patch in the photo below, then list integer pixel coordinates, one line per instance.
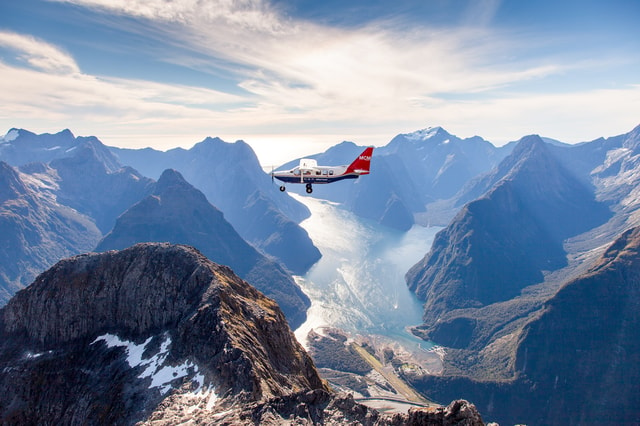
(161, 373)
(423, 134)
(11, 135)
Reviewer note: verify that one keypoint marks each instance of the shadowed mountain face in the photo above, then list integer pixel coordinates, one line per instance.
(584, 348)
(501, 243)
(35, 231)
(176, 212)
(231, 178)
(158, 333)
(575, 360)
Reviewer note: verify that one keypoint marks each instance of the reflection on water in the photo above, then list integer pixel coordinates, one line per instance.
(358, 285)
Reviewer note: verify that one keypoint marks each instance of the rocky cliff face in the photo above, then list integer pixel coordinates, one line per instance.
(107, 337)
(159, 334)
(177, 212)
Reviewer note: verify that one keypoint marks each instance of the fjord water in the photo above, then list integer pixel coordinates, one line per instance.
(358, 285)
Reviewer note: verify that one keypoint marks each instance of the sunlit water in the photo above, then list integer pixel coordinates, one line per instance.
(358, 285)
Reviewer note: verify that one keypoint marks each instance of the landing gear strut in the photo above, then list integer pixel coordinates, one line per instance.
(309, 188)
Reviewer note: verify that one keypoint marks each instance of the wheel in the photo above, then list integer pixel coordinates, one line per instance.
(282, 188)
(309, 189)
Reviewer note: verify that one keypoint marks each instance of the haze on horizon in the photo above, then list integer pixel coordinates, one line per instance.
(292, 77)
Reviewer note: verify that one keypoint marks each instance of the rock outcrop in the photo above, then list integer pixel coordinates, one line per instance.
(106, 338)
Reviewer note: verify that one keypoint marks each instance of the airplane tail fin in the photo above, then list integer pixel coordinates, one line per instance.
(362, 164)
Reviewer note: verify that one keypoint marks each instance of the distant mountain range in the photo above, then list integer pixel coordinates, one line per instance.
(230, 176)
(410, 176)
(65, 206)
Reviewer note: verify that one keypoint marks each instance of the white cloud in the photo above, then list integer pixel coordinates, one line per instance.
(39, 54)
(316, 81)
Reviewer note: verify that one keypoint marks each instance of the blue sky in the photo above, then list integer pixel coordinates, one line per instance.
(292, 77)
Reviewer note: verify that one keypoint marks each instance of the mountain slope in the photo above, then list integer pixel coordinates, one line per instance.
(574, 360)
(176, 212)
(35, 230)
(231, 178)
(587, 334)
(92, 182)
(501, 243)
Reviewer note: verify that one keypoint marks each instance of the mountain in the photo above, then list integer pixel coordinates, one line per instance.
(158, 333)
(503, 242)
(90, 183)
(595, 318)
(376, 199)
(35, 230)
(177, 212)
(126, 336)
(230, 176)
(88, 176)
(410, 176)
(574, 360)
(441, 163)
(19, 147)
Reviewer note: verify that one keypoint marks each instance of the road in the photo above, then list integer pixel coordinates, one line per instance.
(397, 383)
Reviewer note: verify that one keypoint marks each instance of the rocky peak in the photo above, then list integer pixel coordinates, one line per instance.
(155, 300)
(170, 177)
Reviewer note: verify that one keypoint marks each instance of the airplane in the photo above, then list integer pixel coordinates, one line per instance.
(309, 172)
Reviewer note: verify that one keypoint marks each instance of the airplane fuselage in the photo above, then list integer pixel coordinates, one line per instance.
(315, 175)
(309, 172)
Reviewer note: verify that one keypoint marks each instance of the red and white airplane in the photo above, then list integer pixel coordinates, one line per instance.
(309, 172)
